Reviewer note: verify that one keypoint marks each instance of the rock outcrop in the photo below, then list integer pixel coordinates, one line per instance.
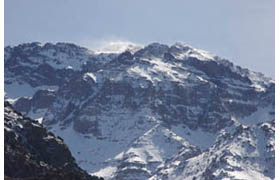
(33, 153)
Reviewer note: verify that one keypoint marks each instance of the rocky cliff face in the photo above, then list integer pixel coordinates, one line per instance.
(31, 152)
(140, 111)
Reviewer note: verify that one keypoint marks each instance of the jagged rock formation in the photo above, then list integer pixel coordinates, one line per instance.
(31, 152)
(145, 111)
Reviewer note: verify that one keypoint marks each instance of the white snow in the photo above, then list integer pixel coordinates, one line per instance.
(16, 90)
(261, 115)
(202, 55)
(199, 138)
(117, 127)
(140, 72)
(117, 47)
(248, 175)
(107, 172)
(91, 75)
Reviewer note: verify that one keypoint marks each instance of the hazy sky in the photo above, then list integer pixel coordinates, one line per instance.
(240, 30)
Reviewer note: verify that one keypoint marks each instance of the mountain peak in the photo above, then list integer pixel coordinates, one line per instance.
(181, 44)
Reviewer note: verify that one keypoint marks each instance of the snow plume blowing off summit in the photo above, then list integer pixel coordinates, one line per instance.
(113, 46)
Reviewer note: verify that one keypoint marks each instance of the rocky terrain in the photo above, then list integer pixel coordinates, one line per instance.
(153, 112)
(31, 152)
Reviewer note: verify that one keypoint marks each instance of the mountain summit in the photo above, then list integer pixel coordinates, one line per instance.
(155, 112)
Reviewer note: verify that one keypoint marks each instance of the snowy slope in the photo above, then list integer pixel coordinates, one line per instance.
(159, 111)
(244, 153)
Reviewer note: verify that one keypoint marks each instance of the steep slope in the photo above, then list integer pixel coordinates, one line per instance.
(245, 153)
(139, 109)
(33, 153)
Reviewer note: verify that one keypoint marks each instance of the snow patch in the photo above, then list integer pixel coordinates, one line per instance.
(261, 115)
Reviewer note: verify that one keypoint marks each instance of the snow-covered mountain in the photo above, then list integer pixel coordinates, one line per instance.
(153, 112)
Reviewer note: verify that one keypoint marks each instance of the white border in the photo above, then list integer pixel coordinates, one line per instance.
(277, 78)
(2, 88)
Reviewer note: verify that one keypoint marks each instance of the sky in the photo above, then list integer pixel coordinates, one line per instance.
(240, 30)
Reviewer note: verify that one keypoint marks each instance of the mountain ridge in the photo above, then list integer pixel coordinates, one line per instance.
(135, 102)
(31, 152)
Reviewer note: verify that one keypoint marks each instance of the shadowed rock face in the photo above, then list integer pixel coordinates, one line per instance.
(196, 93)
(23, 105)
(33, 153)
(42, 99)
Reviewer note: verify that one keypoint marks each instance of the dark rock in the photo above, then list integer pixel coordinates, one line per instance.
(33, 153)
